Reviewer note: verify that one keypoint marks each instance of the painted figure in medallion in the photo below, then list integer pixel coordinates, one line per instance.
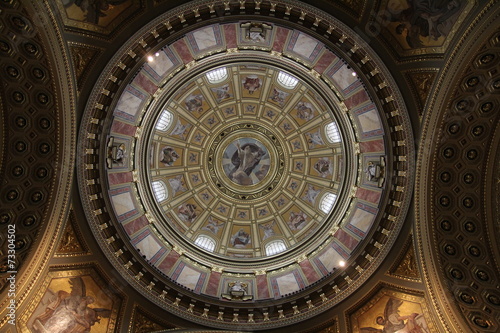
(168, 156)
(245, 160)
(324, 167)
(194, 103)
(252, 83)
(297, 221)
(240, 239)
(305, 111)
(187, 212)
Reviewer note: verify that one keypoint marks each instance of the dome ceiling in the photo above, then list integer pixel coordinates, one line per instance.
(243, 163)
(244, 160)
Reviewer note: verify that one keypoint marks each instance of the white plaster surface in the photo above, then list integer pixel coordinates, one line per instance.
(362, 219)
(205, 38)
(369, 121)
(123, 203)
(148, 246)
(189, 277)
(343, 77)
(161, 64)
(330, 259)
(305, 45)
(287, 284)
(129, 103)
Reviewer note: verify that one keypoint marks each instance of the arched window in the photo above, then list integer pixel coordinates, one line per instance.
(164, 121)
(327, 202)
(205, 242)
(275, 247)
(160, 190)
(217, 75)
(332, 132)
(287, 81)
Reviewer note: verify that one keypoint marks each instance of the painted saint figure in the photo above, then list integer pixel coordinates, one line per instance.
(70, 312)
(245, 159)
(393, 322)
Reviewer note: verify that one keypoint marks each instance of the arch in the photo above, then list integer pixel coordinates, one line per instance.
(287, 80)
(164, 121)
(327, 202)
(205, 242)
(217, 75)
(275, 247)
(160, 190)
(332, 133)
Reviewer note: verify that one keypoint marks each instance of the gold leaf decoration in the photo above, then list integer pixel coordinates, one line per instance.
(407, 267)
(82, 60)
(71, 242)
(421, 83)
(143, 323)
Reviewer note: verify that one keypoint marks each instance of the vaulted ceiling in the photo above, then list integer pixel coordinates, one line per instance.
(249, 165)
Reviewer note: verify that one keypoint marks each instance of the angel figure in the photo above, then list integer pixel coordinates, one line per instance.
(213, 225)
(393, 322)
(70, 312)
(268, 229)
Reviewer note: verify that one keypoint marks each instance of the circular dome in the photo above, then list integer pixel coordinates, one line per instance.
(243, 160)
(246, 170)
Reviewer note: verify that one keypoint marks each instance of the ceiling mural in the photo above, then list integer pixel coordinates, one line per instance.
(74, 300)
(101, 17)
(249, 165)
(392, 310)
(419, 27)
(219, 172)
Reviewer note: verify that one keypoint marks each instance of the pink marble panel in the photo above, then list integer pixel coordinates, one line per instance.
(120, 178)
(262, 287)
(230, 34)
(183, 51)
(213, 284)
(326, 60)
(169, 262)
(346, 239)
(309, 271)
(133, 226)
(356, 99)
(369, 146)
(280, 39)
(145, 83)
(122, 128)
(368, 195)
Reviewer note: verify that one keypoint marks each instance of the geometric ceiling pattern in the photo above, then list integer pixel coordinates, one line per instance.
(249, 165)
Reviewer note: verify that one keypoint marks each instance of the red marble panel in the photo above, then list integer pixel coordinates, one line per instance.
(309, 271)
(182, 49)
(169, 261)
(369, 146)
(262, 287)
(213, 284)
(346, 239)
(326, 60)
(119, 178)
(368, 195)
(122, 128)
(133, 226)
(230, 34)
(280, 39)
(145, 83)
(356, 99)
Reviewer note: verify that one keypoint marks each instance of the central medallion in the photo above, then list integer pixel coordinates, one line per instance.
(246, 161)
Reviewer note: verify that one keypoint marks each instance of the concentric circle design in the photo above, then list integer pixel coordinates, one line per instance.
(235, 158)
(246, 161)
